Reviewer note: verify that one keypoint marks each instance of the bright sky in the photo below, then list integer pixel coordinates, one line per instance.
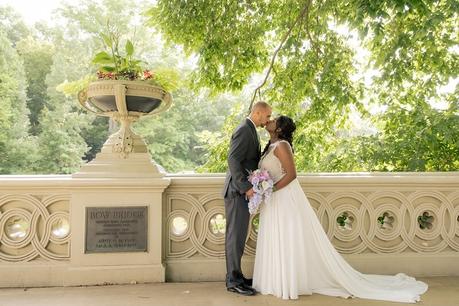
(33, 10)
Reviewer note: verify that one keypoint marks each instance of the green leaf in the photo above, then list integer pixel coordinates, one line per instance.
(107, 39)
(129, 48)
(107, 68)
(102, 58)
(72, 88)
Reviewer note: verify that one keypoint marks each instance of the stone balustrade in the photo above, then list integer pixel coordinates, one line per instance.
(381, 223)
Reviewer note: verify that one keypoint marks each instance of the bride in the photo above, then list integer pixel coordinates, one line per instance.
(294, 255)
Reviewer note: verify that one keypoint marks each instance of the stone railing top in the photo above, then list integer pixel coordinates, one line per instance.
(370, 178)
(366, 178)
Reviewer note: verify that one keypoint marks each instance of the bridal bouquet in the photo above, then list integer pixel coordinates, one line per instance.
(263, 187)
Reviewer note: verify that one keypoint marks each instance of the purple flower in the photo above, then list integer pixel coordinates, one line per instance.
(262, 186)
(255, 180)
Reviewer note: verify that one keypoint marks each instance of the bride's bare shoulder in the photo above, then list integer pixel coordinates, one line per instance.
(283, 147)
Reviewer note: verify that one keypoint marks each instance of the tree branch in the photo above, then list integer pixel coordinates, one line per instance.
(304, 11)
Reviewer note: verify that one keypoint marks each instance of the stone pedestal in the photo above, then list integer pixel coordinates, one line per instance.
(122, 183)
(113, 181)
(117, 267)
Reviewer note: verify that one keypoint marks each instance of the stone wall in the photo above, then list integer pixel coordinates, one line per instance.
(381, 223)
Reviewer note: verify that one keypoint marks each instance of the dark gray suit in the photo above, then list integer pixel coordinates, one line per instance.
(243, 156)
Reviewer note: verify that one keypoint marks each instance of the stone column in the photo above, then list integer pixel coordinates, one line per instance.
(117, 181)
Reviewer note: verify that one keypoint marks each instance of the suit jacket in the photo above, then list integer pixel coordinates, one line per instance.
(243, 156)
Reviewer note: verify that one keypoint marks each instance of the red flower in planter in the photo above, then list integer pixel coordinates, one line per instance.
(147, 74)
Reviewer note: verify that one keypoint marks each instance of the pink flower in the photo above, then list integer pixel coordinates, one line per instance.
(147, 74)
(263, 187)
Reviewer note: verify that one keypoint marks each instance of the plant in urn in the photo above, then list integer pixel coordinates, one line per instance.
(123, 91)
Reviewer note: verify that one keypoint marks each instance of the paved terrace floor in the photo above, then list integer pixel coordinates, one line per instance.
(443, 291)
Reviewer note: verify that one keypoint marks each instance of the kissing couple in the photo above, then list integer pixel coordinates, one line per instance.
(293, 255)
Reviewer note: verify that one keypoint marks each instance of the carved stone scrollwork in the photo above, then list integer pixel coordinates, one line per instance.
(356, 222)
(124, 138)
(33, 228)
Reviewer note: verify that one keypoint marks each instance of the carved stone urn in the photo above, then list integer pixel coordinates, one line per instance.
(124, 153)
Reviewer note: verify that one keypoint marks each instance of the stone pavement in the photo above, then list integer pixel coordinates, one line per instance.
(443, 291)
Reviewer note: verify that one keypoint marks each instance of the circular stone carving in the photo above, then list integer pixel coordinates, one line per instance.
(16, 228)
(179, 226)
(426, 220)
(217, 224)
(345, 220)
(60, 228)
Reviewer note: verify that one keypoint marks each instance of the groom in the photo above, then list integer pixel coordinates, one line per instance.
(244, 155)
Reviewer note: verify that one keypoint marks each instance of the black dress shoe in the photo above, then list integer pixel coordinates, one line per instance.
(247, 281)
(241, 289)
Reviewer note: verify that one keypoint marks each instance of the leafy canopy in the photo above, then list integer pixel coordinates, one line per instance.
(317, 75)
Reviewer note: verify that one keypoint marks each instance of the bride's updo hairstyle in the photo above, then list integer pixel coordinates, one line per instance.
(287, 127)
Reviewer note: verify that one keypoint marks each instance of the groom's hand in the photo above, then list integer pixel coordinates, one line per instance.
(249, 193)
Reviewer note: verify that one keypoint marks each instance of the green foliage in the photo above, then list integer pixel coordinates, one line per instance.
(420, 139)
(12, 25)
(230, 39)
(341, 220)
(317, 76)
(61, 147)
(115, 65)
(37, 58)
(167, 78)
(74, 87)
(172, 137)
(16, 148)
(175, 138)
(94, 135)
(217, 143)
(417, 139)
(113, 62)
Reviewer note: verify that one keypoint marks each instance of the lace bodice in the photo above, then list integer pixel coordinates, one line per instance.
(270, 162)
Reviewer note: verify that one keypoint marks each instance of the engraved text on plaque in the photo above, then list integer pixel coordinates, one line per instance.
(116, 229)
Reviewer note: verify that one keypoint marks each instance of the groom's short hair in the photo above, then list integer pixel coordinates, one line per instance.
(260, 105)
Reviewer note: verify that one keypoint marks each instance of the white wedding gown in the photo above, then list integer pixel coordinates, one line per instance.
(295, 257)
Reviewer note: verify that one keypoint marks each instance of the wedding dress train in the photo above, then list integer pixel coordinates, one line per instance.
(295, 257)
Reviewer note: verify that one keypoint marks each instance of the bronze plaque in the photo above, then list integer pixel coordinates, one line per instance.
(116, 229)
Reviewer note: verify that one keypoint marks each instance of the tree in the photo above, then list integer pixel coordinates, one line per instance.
(173, 137)
(61, 146)
(312, 72)
(80, 135)
(177, 139)
(62, 123)
(66, 135)
(37, 58)
(13, 25)
(16, 148)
